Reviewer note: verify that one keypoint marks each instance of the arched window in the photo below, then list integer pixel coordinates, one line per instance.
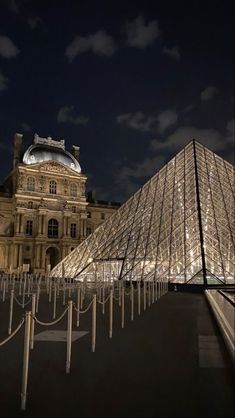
(73, 190)
(52, 187)
(31, 184)
(89, 214)
(30, 205)
(52, 228)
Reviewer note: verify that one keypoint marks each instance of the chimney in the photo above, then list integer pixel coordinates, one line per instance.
(17, 149)
(76, 152)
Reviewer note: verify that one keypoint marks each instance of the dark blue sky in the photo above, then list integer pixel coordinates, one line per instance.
(129, 82)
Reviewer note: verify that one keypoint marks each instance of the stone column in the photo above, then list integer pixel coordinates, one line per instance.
(20, 255)
(15, 256)
(44, 231)
(21, 226)
(39, 231)
(68, 226)
(37, 256)
(82, 228)
(64, 226)
(17, 223)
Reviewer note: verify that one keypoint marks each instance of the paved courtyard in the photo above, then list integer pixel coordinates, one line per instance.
(169, 362)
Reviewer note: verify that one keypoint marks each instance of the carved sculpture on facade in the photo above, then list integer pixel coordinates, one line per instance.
(20, 181)
(42, 183)
(53, 166)
(49, 141)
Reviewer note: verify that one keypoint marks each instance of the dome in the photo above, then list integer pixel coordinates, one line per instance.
(40, 153)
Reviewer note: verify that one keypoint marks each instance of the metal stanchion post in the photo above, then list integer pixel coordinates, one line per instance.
(4, 290)
(78, 305)
(11, 312)
(120, 293)
(123, 307)
(93, 323)
(37, 298)
(58, 287)
(152, 286)
(103, 298)
(20, 285)
(50, 288)
(111, 314)
(54, 301)
(28, 287)
(24, 288)
(156, 290)
(70, 287)
(132, 302)
(63, 292)
(144, 295)
(138, 287)
(25, 360)
(69, 335)
(32, 322)
(149, 293)
(82, 290)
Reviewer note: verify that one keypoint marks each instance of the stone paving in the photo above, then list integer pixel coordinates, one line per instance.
(169, 362)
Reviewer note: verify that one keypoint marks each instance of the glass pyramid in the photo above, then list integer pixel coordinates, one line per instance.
(178, 227)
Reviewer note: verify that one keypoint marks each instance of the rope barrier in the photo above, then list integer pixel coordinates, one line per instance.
(84, 310)
(13, 333)
(22, 304)
(50, 323)
(104, 302)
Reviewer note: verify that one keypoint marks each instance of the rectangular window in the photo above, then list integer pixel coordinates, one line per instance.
(102, 216)
(73, 228)
(29, 228)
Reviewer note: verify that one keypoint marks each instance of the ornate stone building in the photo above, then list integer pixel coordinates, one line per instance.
(44, 213)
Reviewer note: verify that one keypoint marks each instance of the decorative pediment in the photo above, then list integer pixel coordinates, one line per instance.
(55, 167)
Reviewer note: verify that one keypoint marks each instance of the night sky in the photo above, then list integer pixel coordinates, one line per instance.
(129, 82)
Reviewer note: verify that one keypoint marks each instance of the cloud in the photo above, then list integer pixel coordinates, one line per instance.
(141, 34)
(34, 22)
(129, 177)
(230, 126)
(66, 115)
(26, 127)
(13, 6)
(100, 43)
(209, 93)
(137, 121)
(3, 82)
(172, 52)
(211, 138)
(7, 48)
(166, 119)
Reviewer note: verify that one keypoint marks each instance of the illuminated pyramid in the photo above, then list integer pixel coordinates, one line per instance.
(178, 227)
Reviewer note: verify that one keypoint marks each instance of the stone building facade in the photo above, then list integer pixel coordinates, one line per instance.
(44, 211)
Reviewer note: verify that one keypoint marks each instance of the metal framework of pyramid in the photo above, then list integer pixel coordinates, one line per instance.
(178, 227)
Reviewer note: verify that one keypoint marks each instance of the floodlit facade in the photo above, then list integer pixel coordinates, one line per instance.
(44, 211)
(178, 227)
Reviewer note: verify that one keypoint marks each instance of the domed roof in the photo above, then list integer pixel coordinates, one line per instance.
(39, 153)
